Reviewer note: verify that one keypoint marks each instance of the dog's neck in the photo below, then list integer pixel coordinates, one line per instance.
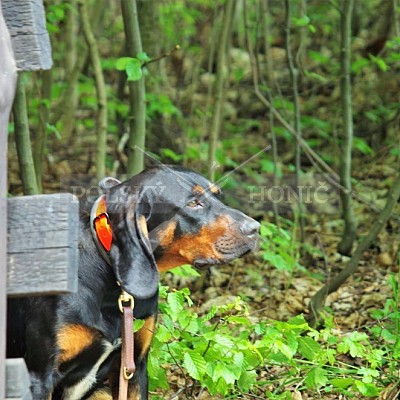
(103, 287)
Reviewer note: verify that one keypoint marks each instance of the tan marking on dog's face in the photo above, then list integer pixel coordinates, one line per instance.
(143, 226)
(73, 339)
(214, 189)
(199, 190)
(144, 336)
(188, 248)
(165, 235)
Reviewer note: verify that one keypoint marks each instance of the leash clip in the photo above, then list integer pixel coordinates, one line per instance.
(125, 298)
(127, 376)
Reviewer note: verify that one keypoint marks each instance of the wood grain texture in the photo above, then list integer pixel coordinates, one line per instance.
(26, 22)
(18, 382)
(8, 74)
(42, 253)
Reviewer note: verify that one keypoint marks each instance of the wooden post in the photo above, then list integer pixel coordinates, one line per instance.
(42, 252)
(25, 22)
(8, 75)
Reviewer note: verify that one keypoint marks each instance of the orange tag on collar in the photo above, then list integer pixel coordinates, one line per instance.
(101, 223)
(103, 230)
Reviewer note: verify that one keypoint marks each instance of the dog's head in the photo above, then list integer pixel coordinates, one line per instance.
(169, 216)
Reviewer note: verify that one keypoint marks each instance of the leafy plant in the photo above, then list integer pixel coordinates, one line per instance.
(132, 65)
(279, 248)
(225, 352)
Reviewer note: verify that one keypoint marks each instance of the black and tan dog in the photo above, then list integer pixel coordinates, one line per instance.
(157, 220)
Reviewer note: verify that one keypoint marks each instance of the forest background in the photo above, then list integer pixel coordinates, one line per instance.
(293, 107)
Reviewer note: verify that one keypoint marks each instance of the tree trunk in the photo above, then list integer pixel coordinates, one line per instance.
(266, 31)
(220, 86)
(23, 140)
(350, 227)
(293, 71)
(137, 126)
(71, 60)
(101, 92)
(70, 97)
(39, 145)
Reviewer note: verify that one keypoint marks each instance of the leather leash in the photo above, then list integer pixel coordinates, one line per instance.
(102, 236)
(127, 351)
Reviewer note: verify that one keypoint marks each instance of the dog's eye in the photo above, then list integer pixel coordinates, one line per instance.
(196, 203)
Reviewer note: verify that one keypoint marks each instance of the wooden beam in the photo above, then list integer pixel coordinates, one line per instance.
(26, 22)
(8, 74)
(42, 253)
(18, 382)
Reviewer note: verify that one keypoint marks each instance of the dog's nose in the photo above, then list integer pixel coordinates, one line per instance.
(250, 228)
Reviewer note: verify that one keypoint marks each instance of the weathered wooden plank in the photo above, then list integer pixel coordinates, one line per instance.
(8, 74)
(18, 382)
(26, 22)
(42, 253)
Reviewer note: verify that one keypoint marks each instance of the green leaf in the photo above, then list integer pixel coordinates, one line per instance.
(163, 334)
(175, 302)
(312, 28)
(173, 156)
(236, 319)
(143, 57)
(157, 374)
(362, 146)
(366, 389)
(137, 324)
(53, 129)
(247, 380)
(211, 313)
(342, 383)
(316, 378)
(379, 62)
(359, 64)
(286, 350)
(195, 364)
(303, 21)
(238, 360)
(309, 348)
(134, 69)
(222, 371)
(185, 271)
(122, 62)
(223, 340)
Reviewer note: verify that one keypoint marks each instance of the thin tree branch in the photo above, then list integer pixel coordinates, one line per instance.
(100, 90)
(296, 104)
(137, 126)
(22, 139)
(318, 300)
(167, 54)
(220, 86)
(350, 226)
(264, 10)
(40, 139)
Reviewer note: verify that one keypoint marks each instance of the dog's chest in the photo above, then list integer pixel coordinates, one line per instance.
(82, 387)
(84, 360)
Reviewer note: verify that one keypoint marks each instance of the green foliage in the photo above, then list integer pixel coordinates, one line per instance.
(279, 248)
(132, 66)
(362, 146)
(224, 351)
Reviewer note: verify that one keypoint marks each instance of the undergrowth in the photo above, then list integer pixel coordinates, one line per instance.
(229, 352)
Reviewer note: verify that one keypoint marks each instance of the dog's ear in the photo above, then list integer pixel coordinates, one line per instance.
(108, 182)
(131, 254)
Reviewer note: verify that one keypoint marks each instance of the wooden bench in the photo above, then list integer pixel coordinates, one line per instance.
(38, 239)
(42, 259)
